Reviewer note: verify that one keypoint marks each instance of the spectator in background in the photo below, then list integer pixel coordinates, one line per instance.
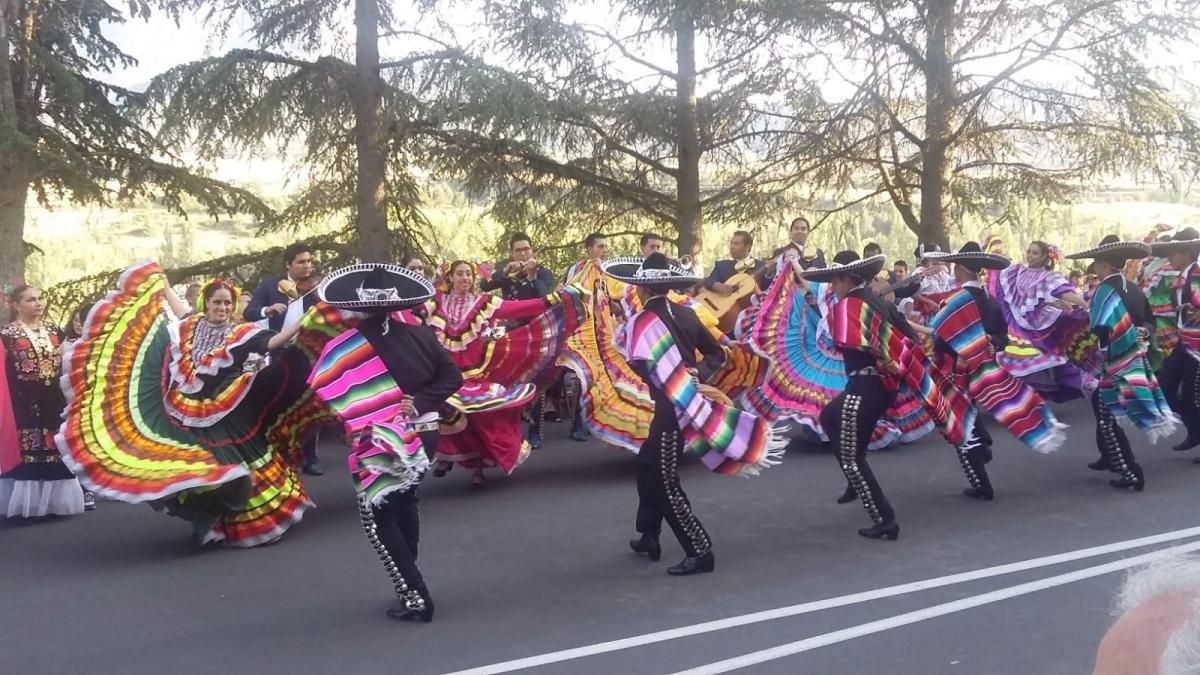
(416, 264)
(243, 302)
(1076, 279)
(192, 295)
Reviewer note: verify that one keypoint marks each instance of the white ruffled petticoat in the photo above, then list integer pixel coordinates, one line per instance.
(36, 498)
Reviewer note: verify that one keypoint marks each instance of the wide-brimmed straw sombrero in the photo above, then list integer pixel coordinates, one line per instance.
(1112, 249)
(1187, 239)
(374, 287)
(848, 262)
(974, 258)
(654, 271)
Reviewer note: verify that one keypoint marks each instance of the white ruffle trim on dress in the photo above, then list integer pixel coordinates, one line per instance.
(36, 498)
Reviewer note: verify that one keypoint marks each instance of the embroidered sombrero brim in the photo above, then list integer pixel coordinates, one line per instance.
(1124, 250)
(1166, 247)
(867, 268)
(987, 261)
(374, 287)
(630, 271)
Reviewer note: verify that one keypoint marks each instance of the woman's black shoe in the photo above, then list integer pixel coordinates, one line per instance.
(1186, 444)
(984, 493)
(848, 496)
(889, 530)
(1100, 465)
(688, 566)
(648, 545)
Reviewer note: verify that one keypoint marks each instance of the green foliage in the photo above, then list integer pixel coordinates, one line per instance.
(71, 134)
(1010, 103)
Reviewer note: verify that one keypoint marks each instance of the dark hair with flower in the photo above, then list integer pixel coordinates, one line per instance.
(14, 291)
(208, 290)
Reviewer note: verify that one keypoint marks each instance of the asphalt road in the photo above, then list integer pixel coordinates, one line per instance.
(537, 563)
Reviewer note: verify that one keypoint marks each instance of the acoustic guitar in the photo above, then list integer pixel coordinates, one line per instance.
(727, 307)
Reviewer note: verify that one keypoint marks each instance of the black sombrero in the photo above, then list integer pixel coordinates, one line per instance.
(973, 257)
(848, 262)
(1187, 239)
(655, 271)
(924, 251)
(1113, 250)
(374, 287)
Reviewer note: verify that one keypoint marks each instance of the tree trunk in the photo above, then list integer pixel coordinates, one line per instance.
(14, 188)
(688, 219)
(374, 240)
(939, 99)
(14, 175)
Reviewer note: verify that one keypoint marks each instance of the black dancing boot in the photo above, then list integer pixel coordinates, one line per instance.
(416, 606)
(848, 496)
(689, 566)
(1101, 464)
(1133, 478)
(648, 544)
(889, 530)
(973, 462)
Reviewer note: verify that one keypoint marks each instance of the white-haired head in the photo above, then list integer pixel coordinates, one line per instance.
(1158, 629)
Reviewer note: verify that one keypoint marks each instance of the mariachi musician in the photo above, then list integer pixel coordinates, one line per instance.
(281, 300)
(523, 278)
(273, 299)
(739, 262)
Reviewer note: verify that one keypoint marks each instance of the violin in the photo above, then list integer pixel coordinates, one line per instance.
(296, 290)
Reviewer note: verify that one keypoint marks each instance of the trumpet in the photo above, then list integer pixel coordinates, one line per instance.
(684, 261)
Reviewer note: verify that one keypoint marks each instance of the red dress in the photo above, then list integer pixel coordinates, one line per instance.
(10, 448)
(498, 370)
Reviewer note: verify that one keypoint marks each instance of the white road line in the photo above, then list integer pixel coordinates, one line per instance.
(809, 644)
(819, 605)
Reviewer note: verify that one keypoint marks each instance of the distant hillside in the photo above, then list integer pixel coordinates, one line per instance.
(78, 241)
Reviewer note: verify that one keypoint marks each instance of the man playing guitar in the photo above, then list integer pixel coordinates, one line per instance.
(739, 262)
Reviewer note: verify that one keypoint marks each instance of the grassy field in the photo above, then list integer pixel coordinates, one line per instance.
(78, 241)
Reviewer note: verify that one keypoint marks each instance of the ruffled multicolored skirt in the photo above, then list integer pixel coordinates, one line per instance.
(224, 475)
(807, 369)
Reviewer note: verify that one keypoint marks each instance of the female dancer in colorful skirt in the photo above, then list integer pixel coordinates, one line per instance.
(1050, 345)
(387, 378)
(968, 331)
(882, 354)
(1121, 318)
(499, 366)
(662, 342)
(189, 415)
(807, 372)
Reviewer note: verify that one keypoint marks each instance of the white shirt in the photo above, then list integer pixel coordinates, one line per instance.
(295, 312)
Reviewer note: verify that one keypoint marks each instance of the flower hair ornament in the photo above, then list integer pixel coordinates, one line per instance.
(211, 287)
(1055, 254)
(11, 288)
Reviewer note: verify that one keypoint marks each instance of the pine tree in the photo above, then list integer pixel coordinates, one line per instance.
(66, 133)
(972, 106)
